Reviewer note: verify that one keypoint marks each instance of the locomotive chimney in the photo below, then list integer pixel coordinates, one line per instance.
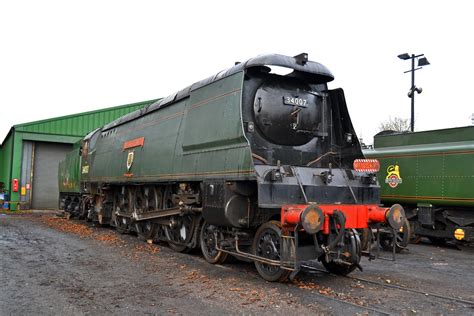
(301, 59)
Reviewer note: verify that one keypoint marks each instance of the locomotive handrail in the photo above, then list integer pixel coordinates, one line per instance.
(312, 162)
(298, 180)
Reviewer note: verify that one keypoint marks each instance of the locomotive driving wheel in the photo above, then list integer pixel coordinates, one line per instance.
(84, 207)
(122, 205)
(122, 224)
(208, 242)
(146, 230)
(76, 206)
(148, 199)
(266, 244)
(179, 232)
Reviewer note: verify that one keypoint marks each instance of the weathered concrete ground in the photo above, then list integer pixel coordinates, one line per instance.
(50, 265)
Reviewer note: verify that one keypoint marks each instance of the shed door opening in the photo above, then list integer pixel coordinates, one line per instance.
(45, 174)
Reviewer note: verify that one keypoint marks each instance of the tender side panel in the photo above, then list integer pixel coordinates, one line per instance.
(422, 175)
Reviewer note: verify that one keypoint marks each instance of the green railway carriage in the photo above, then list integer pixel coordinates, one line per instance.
(248, 163)
(431, 173)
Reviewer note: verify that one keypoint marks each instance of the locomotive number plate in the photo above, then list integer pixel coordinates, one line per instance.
(295, 101)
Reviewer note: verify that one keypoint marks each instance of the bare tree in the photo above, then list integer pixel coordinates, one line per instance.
(395, 124)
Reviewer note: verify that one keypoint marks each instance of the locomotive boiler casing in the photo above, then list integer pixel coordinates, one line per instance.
(193, 136)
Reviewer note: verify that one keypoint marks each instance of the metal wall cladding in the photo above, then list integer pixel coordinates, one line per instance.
(435, 167)
(6, 162)
(195, 138)
(79, 124)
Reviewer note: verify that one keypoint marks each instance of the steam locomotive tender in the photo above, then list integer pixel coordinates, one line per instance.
(249, 163)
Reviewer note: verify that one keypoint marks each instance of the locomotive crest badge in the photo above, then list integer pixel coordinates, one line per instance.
(393, 178)
(130, 156)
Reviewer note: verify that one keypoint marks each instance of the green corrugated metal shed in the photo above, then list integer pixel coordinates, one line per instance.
(65, 129)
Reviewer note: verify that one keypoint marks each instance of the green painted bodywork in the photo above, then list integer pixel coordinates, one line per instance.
(198, 137)
(6, 153)
(436, 167)
(69, 171)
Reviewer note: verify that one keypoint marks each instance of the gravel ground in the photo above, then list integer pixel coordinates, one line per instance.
(52, 266)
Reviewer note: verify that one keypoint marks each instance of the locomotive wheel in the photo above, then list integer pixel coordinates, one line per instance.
(139, 200)
(179, 232)
(266, 244)
(364, 235)
(67, 202)
(76, 206)
(153, 198)
(123, 204)
(353, 244)
(85, 205)
(208, 242)
(402, 240)
(146, 200)
(146, 230)
(122, 224)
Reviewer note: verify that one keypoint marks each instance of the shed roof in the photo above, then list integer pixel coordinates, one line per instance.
(78, 124)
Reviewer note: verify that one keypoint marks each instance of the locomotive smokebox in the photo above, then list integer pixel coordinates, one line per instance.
(288, 113)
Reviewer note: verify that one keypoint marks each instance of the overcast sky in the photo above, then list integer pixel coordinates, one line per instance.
(64, 57)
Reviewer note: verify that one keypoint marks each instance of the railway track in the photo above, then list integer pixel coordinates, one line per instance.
(350, 301)
(425, 293)
(466, 302)
(356, 307)
(376, 311)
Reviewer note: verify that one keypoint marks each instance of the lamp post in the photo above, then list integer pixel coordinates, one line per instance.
(411, 93)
